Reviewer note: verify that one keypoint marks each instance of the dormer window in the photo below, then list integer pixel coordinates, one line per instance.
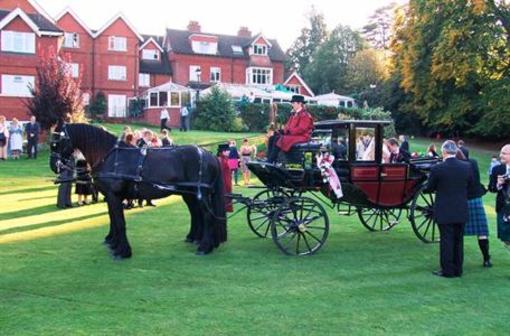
(71, 40)
(259, 49)
(237, 50)
(204, 47)
(117, 43)
(150, 54)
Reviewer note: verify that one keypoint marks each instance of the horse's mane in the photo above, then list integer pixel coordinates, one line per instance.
(94, 142)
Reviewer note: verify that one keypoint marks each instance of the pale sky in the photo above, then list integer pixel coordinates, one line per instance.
(279, 19)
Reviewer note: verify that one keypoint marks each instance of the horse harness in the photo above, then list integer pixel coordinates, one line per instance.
(119, 152)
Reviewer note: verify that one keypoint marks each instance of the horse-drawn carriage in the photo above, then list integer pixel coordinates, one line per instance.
(291, 203)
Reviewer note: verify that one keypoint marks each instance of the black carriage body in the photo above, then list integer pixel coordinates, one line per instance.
(377, 191)
(366, 182)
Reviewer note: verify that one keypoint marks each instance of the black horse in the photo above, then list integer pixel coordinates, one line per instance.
(121, 172)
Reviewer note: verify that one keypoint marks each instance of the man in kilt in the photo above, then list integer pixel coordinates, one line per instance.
(500, 184)
(477, 219)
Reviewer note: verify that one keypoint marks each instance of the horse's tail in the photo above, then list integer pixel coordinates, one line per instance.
(218, 206)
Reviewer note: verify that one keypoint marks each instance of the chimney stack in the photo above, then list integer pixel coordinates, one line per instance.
(244, 32)
(194, 27)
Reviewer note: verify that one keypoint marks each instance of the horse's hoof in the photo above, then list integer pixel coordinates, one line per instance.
(200, 253)
(196, 242)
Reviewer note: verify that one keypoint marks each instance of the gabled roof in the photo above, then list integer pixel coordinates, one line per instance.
(69, 11)
(41, 10)
(262, 37)
(169, 86)
(333, 96)
(112, 21)
(160, 67)
(37, 22)
(180, 44)
(303, 83)
(154, 39)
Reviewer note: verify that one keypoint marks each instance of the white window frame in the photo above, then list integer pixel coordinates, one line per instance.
(117, 72)
(150, 54)
(74, 69)
(117, 111)
(257, 71)
(71, 40)
(193, 77)
(295, 88)
(215, 75)
(144, 80)
(18, 42)
(85, 98)
(204, 47)
(17, 85)
(117, 43)
(237, 50)
(259, 49)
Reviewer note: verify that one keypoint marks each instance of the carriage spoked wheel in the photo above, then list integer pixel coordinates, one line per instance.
(421, 217)
(261, 211)
(377, 219)
(300, 226)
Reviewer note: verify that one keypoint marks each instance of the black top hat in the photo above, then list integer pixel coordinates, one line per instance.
(223, 147)
(298, 99)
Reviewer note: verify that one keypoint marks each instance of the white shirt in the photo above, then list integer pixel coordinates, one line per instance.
(184, 111)
(164, 114)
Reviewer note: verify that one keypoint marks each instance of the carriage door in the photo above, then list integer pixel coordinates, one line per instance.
(365, 170)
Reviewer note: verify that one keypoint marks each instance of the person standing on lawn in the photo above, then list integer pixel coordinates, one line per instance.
(500, 183)
(450, 180)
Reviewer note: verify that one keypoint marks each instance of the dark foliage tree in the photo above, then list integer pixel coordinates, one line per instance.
(56, 94)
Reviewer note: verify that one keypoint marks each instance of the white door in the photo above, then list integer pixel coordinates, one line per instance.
(117, 106)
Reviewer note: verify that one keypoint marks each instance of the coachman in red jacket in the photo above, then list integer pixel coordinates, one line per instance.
(298, 129)
(223, 151)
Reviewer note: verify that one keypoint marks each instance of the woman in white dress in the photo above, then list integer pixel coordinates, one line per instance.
(16, 138)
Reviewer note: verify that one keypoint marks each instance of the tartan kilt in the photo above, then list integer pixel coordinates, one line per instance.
(477, 221)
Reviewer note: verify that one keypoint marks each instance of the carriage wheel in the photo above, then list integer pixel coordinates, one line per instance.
(300, 227)
(261, 211)
(421, 217)
(375, 219)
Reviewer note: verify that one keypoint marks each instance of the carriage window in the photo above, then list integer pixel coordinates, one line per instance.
(340, 144)
(365, 144)
(322, 137)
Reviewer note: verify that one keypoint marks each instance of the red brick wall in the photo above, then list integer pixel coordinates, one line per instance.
(103, 57)
(82, 55)
(22, 64)
(151, 116)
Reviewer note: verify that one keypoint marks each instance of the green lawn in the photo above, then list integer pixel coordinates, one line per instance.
(57, 278)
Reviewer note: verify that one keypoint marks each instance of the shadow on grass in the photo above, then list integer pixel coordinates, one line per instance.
(28, 212)
(49, 224)
(36, 198)
(28, 190)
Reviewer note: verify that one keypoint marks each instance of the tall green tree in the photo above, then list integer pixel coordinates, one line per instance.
(378, 31)
(366, 70)
(301, 52)
(450, 55)
(328, 69)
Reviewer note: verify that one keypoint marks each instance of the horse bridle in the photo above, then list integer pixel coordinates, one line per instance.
(62, 163)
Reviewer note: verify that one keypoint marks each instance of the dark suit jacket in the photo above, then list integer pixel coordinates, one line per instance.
(404, 146)
(34, 129)
(500, 198)
(476, 190)
(465, 151)
(451, 180)
(403, 156)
